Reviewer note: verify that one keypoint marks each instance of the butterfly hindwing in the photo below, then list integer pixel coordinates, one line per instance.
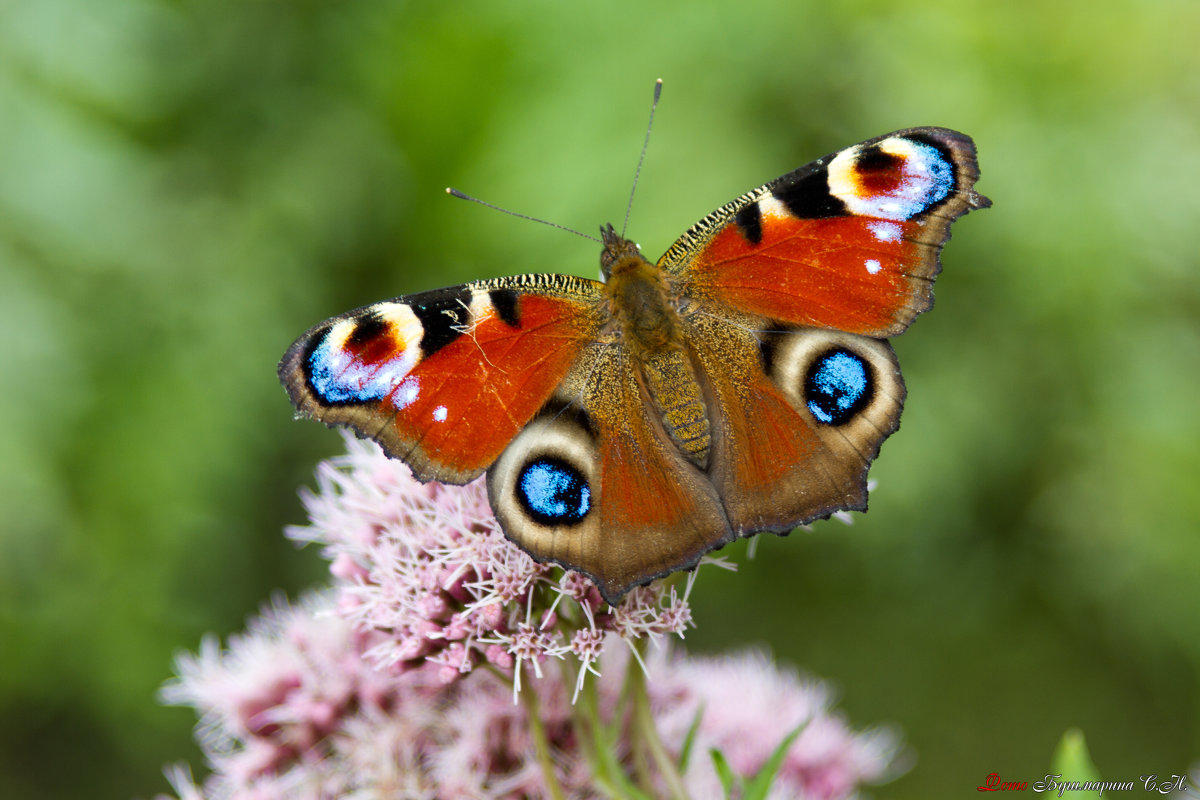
(594, 484)
(848, 242)
(798, 416)
(445, 379)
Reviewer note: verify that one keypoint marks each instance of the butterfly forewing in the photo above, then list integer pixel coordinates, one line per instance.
(444, 380)
(849, 242)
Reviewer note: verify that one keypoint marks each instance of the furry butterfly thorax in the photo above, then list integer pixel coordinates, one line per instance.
(742, 383)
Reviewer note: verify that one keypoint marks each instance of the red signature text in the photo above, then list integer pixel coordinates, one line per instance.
(994, 784)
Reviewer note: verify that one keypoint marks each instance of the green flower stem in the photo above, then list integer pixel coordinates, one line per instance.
(586, 719)
(540, 743)
(647, 731)
(598, 743)
(633, 685)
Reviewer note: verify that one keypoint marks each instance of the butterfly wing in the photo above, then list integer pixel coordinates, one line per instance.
(444, 380)
(848, 242)
(798, 416)
(593, 484)
(788, 291)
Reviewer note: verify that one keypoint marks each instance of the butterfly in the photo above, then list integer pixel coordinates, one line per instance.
(742, 383)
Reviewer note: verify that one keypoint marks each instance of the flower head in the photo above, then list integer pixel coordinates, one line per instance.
(293, 709)
(427, 568)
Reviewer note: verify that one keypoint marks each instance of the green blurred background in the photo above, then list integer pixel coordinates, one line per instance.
(186, 185)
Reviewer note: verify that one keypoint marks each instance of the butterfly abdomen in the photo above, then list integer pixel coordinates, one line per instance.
(671, 383)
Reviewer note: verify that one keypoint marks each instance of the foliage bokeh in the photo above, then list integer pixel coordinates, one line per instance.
(186, 185)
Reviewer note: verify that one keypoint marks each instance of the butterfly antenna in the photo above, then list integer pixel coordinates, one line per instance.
(462, 196)
(642, 157)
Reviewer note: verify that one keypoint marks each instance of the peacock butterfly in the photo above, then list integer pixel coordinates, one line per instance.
(742, 383)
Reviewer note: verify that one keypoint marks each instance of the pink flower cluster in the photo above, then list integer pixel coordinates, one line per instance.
(292, 710)
(402, 679)
(427, 567)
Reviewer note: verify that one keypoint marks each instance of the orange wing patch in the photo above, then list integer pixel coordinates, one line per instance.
(466, 402)
(851, 273)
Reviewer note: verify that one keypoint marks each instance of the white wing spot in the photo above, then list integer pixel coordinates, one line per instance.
(769, 206)
(439, 413)
(479, 310)
(885, 231)
(407, 393)
(873, 266)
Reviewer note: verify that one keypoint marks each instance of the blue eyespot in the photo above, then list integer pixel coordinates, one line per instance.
(553, 492)
(838, 385)
(337, 379)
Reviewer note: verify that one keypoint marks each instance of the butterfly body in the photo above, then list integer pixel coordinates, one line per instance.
(742, 383)
(649, 325)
